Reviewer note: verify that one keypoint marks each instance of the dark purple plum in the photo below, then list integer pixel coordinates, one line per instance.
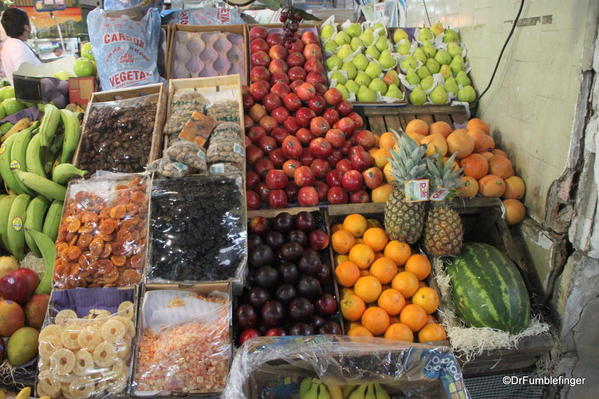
(274, 239)
(301, 329)
(326, 305)
(272, 313)
(291, 251)
(283, 222)
(323, 273)
(330, 327)
(309, 287)
(258, 296)
(310, 262)
(298, 236)
(289, 272)
(305, 221)
(285, 293)
(267, 277)
(261, 255)
(246, 316)
(253, 241)
(301, 309)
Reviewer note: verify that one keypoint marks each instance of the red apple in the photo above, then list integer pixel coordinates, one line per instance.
(246, 140)
(290, 165)
(258, 44)
(271, 101)
(359, 197)
(320, 148)
(277, 52)
(309, 37)
(358, 120)
(373, 177)
(281, 89)
(365, 138)
(317, 104)
(320, 168)
(333, 96)
(257, 112)
(248, 122)
(259, 58)
(321, 88)
(344, 165)
(297, 46)
(304, 135)
(345, 108)
(275, 332)
(304, 116)
(280, 134)
(18, 285)
(280, 114)
(248, 101)
(263, 191)
(345, 148)
(292, 102)
(295, 84)
(255, 133)
(259, 89)
(346, 124)
(337, 195)
(253, 153)
(322, 189)
(296, 59)
(291, 191)
(307, 157)
(276, 179)
(258, 32)
(248, 333)
(314, 65)
(253, 200)
(315, 77)
(352, 180)
(262, 166)
(274, 38)
(303, 176)
(267, 144)
(336, 137)
(335, 157)
(360, 158)
(278, 66)
(292, 147)
(319, 126)
(277, 199)
(334, 177)
(279, 77)
(251, 179)
(307, 196)
(291, 124)
(312, 50)
(296, 73)
(259, 73)
(331, 115)
(305, 91)
(277, 157)
(268, 123)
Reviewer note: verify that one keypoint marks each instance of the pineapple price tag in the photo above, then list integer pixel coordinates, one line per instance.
(416, 190)
(439, 194)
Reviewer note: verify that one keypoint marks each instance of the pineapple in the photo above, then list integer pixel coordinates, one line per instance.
(404, 221)
(444, 231)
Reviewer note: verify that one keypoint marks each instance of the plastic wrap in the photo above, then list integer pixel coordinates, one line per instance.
(198, 229)
(272, 367)
(85, 344)
(184, 346)
(183, 103)
(189, 154)
(167, 168)
(203, 16)
(103, 232)
(118, 135)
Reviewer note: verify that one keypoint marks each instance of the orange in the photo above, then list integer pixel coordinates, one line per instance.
(491, 186)
(486, 154)
(376, 238)
(342, 241)
(406, 283)
(514, 211)
(432, 332)
(427, 298)
(381, 157)
(398, 251)
(442, 128)
(387, 171)
(362, 255)
(352, 307)
(482, 141)
(384, 269)
(475, 165)
(370, 223)
(459, 141)
(347, 274)
(391, 301)
(419, 265)
(359, 331)
(476, 123)
(399, 332)
(469, 187)
(355, 224)
(346, 292)
(497, 151)
(387, 141)
(376, 320)
(382, 193)
(500, 166)
(416, 137)
(417, 126)
(339, 259)
(514, 188)
(336, 227)
(413, 316)
(368, 288)
(431, 319)
(364, 272)
(435, 144)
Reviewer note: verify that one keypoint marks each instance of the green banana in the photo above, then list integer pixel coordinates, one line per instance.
(52, 220)
(49, 124)
(335, 391)
(18, 155)
(48, 251)
(72, 131)
(15, 234)
(312, 392)
(34, 220)
(323, 392)
(359, 392)
(347, 389)
(10, 181)
(63, 172)
(5, 127)
(5, 205)
(305, 387)
(370, 392)
(380, 392)
(33, 157)
(41, 185)
(56, 146)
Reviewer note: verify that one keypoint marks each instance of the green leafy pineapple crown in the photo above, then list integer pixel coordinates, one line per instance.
(443, 175)
(407, 161)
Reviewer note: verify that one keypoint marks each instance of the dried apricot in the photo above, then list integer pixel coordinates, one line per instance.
(84, 240)
(88, 217)
(138, 197)
(96, 246)
(107, 250)
(137, 261)
(119, 260)
(73, 224)
(107, 226)
(130, 276)
(117, 212)
(73, 252)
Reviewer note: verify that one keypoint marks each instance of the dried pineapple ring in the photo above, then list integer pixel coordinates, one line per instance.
(99, 313)
(104, 354)
(48, 345)
(64, 316)
(70, 338)
(117, 385)
(126, 309)
(82, 387)
(62, 361)
(46, 386)
(51, 329)
(89, 337)
(84, 363)
(113, 330)
(122, 349)
(127, 323)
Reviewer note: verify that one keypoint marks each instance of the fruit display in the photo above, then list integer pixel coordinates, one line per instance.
(384, 290)
(290, 290)
(361, 62)
(488, 289)
(313, 388)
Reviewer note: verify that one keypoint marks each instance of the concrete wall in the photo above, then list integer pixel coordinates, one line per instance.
(532, 101)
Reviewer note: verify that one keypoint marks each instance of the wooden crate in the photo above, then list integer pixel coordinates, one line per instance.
(382, 119)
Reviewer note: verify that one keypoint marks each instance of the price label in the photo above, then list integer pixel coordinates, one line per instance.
(416, 190)
(439, 194)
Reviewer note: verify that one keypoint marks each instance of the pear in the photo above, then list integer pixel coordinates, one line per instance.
(454, 49)
(443, 57)
(354, 30)
(333, 62)
(445, 71)
(356, 43)
(467, 94)
(378, 86)
(367, 37)
(350, 69)
(382, 43)
(344, 51)
(400, 35)
(450, 85)
(326, 32)
(360, 61)
(437, 28)
(425, 34)
(338, 76)
(362, 79)
(394, 91)
(366, 95)
(463, 79)
(417, 96)
(429, 50)
(423, 72)
(433, 65)
(391, 77)
(408, 62)
(412, 77)
(330, 46)
(374, 69)
(373, 52)
(352, 86)
(451, 36)
(342, 38)
(343, 90)
(419, 55)
(427, 83)
(457, 64)
(439, 96)
(387, 60)
(403, 47)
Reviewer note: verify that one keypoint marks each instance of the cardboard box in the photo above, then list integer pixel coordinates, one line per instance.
(81, 90)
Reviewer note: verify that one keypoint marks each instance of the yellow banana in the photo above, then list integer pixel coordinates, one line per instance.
(24, 394)
(335, 391)
(17, 127)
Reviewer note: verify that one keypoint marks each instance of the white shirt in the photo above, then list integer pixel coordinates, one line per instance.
(14, 53)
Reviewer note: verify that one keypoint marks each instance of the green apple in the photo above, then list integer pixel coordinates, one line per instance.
(454, 49)
(342, 38)
(374, 69)
(343, 90)
(354, 30)
(427, 83)
(451, 36)
(344, 51)
(457, 64)
(378, 26)
(382, 43)
(429, 50)
(419, 55)
(367, 37)
(425, 34)
(417, 96)
(362, 79)
(391, 77)
(338, 76)
(330, 46)
(356, 43)
(443, 57)
(412, 77)
(394, 91)
(352, 86)
(378, 86)
(373, 52)
(433, 65)
(439, 96)
(467, 94)
(350, 69)
(360, 61)
(400, 35)
(451, 85)
(366, 95)
(423, 72)
(387, 60)
(403, 47)
(408, 62)
(333, 62)
(327, 31)
(463, 79)
(437, 28)
(445, 71)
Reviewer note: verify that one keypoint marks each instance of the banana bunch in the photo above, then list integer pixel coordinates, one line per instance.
(366, 391)
(313, 388)
(25, 393)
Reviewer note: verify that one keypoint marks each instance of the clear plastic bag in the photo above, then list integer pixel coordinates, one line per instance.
(103, 232)
(189, 154)
(86, 342)
(118, 135)
(226, 151)
(183, 103)
(185, 343)
(197, 229)
(273, 367)
(168, 168)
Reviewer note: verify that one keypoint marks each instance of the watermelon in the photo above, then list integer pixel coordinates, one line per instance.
(488, 290)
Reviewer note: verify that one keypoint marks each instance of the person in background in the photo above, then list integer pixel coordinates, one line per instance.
(57, 51)
(15, 50)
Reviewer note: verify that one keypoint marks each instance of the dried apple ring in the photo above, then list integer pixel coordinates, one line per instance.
(82, 387)
(89, 338)
(126, 309)
(127, 322)
(100, 314)
(117, 385)
(64, 316)
(104, 354)
(84, 363)
(113, 330)
(117, 212)
(62, 361)
(70, 338)
(122, 349)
